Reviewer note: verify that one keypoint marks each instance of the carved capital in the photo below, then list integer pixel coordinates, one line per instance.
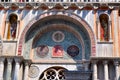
(116, 63)
(2, 59)
(27, 62)
(105, 62)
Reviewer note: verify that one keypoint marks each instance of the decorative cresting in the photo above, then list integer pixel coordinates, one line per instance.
(72, 16)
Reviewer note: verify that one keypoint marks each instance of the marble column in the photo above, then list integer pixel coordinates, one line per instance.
(106, 70)
(9, 69)
(26, 70)
(116, 63)
(94, 70)
(1, 68)
(17, 68)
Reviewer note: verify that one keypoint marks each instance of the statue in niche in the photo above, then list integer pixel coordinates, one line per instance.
(104, 28)
(12, 27)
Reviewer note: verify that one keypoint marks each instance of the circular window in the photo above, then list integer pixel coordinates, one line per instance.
(73, 50)
(42, 50)
(58, 36)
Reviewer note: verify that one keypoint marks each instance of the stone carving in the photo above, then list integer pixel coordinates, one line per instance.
(33, 71)
(42, 50)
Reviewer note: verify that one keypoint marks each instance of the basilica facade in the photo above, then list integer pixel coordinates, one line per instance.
(59, 39)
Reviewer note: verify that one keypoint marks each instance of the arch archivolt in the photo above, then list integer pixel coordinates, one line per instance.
(64, 15)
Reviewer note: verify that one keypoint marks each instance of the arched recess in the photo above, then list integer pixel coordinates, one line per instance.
(57, 15)
(12, 26)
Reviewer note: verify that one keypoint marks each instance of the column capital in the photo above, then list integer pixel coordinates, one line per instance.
(17, 60)
(10, 60)
(27, 62)
(105, 62)
(2, 59)
(94, 62)
(116, 63)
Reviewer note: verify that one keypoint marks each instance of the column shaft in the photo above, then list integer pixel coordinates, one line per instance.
(105, 70)
(17, 66)
(6, 30)
(26, 72)
(9, 69)
(117, 69)
(1, 68)
(98, 31)
(94, 71)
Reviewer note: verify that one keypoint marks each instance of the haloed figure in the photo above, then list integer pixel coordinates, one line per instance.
(104, 27)
(12, 27)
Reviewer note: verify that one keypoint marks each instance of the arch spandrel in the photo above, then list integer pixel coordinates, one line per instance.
(71, 17)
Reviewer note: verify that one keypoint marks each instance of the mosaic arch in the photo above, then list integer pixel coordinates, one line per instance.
(58, 15)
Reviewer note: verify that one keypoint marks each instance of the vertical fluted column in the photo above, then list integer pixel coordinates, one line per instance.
(1, 68)
(26, 70)
(116, 63)
(17, 68)
(9, 69)
(94, 70)
(105, 70)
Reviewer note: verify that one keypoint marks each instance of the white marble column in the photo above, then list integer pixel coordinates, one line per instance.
(94, 70)
(9, 69)
(1, 67)
(17, 68)
(26, 71)
(116, 63)
(106, 70)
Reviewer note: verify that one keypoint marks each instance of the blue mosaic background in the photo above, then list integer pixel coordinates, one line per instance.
(70, 39)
